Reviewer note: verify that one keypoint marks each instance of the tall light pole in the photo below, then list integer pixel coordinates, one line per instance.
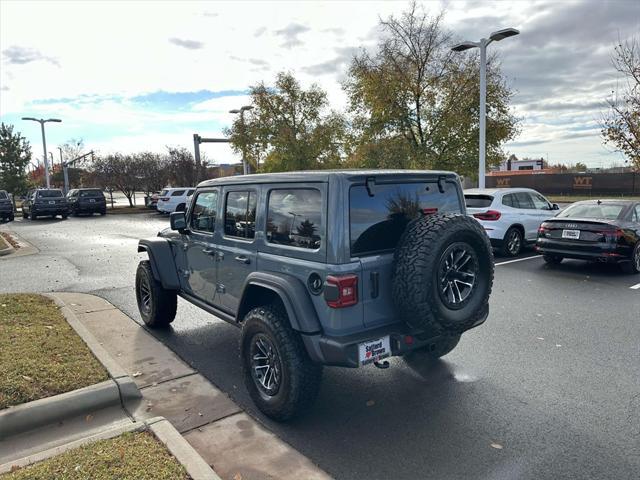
(44, 143)
(482, 45)
(245, 165)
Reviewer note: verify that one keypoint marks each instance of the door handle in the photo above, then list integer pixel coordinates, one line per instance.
(243, 259)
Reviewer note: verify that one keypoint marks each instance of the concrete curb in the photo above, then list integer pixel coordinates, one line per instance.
(31, 415)
(161, 428)
(195, 465)
(25, 247)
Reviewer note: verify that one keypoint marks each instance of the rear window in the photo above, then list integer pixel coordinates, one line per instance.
(177, 193)
(91, 193)
(605, 211)
(163, 192)
(49, 193)
(378, 222)
(478, 201)
(3, 195)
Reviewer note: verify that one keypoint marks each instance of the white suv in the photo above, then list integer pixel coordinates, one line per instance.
(174, 199)
(510, 216)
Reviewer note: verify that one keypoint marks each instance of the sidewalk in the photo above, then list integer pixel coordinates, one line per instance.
(229, 440)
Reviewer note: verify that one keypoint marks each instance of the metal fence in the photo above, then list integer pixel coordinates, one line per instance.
(572, 183)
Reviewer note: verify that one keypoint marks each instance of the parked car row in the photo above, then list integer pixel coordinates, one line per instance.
(596, 230)
(174, 199)
(51, 202)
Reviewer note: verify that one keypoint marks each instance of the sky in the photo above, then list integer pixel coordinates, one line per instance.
(132, 76)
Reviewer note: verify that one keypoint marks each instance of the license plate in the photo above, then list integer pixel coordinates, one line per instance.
(571, 234)
(91, 200)
(52, 202)
(374, 350)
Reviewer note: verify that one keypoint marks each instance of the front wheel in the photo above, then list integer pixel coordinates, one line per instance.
(281, 378)
(33, 216)
(157, 305)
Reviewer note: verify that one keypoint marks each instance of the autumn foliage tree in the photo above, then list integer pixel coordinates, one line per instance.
(621, 124)
(414, 102)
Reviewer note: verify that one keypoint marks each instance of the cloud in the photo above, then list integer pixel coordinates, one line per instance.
(22, 55)
(290, 34)
(259, 31)
(189, 44)
(335, 65)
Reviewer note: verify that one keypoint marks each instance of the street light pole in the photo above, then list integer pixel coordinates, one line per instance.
(482, 45)
(44, 144)
(245, 165)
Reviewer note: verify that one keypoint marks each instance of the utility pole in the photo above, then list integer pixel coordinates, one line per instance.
(245, 166)
(42, 121)
(482, 45)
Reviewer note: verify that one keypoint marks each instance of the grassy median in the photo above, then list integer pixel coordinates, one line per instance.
(138, 456)
(40, 354)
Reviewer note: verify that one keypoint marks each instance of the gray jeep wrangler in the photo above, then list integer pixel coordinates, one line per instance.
(340, 268)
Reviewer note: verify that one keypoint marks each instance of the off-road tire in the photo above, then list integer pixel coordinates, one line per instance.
(11, 217)
(417, 280)
(552, 259)
(513, 243)
(103, 212)
(300, 377)
(65, 216)
(433, 351)
(633, 266)
(162, 303)
(33, 216)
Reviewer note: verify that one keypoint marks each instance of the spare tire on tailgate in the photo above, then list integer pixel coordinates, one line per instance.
(442, 274)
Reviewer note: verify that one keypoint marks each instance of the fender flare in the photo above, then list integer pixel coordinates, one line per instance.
(163, 264)
(294, 295)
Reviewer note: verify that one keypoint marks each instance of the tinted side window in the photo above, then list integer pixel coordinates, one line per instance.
(524, 201)
(637, 212)
(240, 214)
(203, 214)
(295, 218)
(177, 193)
(190, 192)
(378, 222)
(509, 201)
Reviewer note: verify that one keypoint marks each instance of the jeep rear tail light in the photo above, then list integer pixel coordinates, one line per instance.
(488, 215)
(341, 291)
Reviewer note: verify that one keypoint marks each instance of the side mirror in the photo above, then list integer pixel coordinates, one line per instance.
(555, 206)
(178, 221)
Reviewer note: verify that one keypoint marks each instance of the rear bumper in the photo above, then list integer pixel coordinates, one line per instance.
(606, 252)
(343, 351)
(90, 207)
(6, 210)
(50, 209)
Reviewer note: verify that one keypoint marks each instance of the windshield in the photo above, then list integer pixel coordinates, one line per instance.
(3, 195)
(605, 211)
(91, 193)
(49, 193)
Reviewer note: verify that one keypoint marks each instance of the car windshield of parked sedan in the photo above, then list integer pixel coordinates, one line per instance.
(50, 193)
(602, 211)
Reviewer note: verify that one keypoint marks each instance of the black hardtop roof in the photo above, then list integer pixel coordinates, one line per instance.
(319, 176)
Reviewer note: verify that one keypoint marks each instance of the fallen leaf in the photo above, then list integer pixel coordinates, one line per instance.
(200, 414)
(540, 338)
(558, 345)
(136, 374)
(88, 418)
(237, 476)
(497, 446)
(49, 327)
(28, 379)
(370, 403)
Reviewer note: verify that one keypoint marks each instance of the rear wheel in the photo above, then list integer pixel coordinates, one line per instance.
(33, 216)
(633, 266)
(11, 217)
(157, 305)
(512, 243)
(281, 379)
(552, 259)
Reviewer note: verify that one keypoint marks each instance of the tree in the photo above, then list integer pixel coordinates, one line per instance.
(182, 167)
(415, 103)
(15, 155)
(72, 148)
(289, 128)
(119, 172)
(154, 171)
(621, 124)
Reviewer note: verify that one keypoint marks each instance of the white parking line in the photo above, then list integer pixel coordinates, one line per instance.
(518, 260)
(635, 287)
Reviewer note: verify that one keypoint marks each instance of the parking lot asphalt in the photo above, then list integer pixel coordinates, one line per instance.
(548, 388)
